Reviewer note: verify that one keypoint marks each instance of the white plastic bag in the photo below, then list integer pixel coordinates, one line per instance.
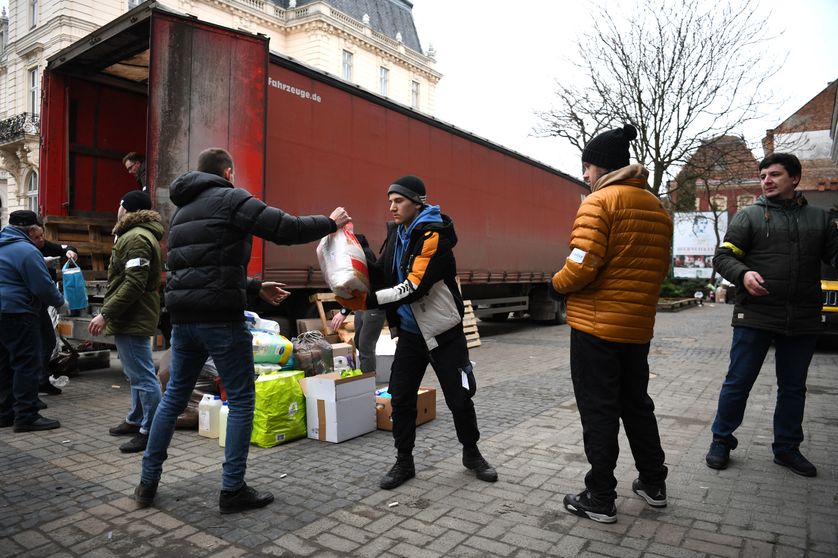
(343, 263)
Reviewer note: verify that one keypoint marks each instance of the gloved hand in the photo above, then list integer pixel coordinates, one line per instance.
(357, 302)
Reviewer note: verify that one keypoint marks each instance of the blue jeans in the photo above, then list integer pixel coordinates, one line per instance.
(21, 358)
(135, 354)
(747, 353)
(231, 347)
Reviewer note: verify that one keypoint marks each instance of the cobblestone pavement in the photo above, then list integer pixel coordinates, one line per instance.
(67, 492)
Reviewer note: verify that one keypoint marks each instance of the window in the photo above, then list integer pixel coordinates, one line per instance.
(134, 3)
(347, 65)
(719, 203)
(32, 192)
(34, 91)
(33, 13)
(744, 201)
(414, 94)
(383, 80)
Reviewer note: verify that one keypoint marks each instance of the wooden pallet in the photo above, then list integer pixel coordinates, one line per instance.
(91, 236)
(470, 326)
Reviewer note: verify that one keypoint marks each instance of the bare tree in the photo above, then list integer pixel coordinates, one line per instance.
(678, 71)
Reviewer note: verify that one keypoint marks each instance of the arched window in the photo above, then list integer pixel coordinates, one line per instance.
(32, 192)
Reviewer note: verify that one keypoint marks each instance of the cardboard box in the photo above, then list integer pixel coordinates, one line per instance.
(312, 324)
(338, 409)
(425, 408)
(385, 349)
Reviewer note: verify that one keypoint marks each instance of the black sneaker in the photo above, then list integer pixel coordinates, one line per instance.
(40, 405)
(402, 471)
(243, 499)
(6, 422)
(144, 493)
(719, 455)
(40, 423)
(135, 444)
(795, 461)
(655, 495)
(124, 429)
(49, 389)
(584, 506)
(474, 461)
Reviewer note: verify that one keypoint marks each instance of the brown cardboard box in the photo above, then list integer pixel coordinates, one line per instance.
(425, 408)
(312, 324)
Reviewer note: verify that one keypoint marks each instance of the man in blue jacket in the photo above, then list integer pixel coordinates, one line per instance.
(25, 288)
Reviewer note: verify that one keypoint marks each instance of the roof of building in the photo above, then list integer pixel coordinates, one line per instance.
(390, 17)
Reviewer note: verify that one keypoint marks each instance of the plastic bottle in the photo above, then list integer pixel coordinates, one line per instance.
(222, 424)
(60, 381)
(208, 410)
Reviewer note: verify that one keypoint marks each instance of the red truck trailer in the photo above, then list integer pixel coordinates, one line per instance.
(170, 86)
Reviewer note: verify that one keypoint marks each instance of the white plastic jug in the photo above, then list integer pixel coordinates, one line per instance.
(208, 411)
(222, 424)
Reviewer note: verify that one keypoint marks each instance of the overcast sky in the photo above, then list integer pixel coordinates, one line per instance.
(500, 60)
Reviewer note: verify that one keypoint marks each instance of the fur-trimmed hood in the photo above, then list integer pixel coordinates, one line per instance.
(147, 218)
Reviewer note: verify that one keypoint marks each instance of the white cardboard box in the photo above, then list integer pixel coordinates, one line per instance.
(385, 348)
(339, 409)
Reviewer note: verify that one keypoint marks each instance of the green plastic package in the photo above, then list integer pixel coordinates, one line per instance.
(280, 414)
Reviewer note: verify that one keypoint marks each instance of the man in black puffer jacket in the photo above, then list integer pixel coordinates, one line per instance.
(210, 238)
(772, 252)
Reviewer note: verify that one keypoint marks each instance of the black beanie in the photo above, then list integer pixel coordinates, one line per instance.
(23, 218)
(610, 150)
(135, 201)
(410, 187)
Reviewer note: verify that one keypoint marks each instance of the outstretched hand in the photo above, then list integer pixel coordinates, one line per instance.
(340, 217)
(273, 293)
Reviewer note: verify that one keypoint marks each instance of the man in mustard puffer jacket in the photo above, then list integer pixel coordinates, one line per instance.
(620, 255)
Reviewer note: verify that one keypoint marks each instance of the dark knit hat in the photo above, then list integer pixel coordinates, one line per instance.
(410, 187)
(610, 150)
(135, 200)
(23, 218)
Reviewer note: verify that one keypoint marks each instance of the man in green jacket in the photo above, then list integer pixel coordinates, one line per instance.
(772, 252)
(132, 308)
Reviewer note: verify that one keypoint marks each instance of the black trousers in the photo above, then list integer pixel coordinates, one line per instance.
(610, 381)
(409, 363)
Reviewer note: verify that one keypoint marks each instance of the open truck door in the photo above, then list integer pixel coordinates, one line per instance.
(154, 82)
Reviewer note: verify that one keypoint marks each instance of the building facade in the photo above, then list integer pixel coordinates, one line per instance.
(370, 43)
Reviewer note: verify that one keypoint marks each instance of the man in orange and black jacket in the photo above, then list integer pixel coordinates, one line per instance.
(415, 282)
(620, 255)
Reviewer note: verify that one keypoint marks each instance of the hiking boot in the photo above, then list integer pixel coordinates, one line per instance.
(795, 461)
(40, 423)
(718, 456)
(654, 494)
(135, 444)
(49, 389)
(124, 429)
(144, 493)
(243, 499)
(474, 461)
(584, 506)
(402, 471)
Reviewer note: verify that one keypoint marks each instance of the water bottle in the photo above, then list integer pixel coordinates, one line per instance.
(60, 381)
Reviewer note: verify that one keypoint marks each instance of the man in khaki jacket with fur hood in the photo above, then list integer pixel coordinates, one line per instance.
(620, 255)
(131, 310)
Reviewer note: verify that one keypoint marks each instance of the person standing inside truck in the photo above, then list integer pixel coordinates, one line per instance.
(134, 163)
(131, 310)
(773, 251)
(25, 288)
(49, 249)
(620, 254)
(414, 281)
(210, 238)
